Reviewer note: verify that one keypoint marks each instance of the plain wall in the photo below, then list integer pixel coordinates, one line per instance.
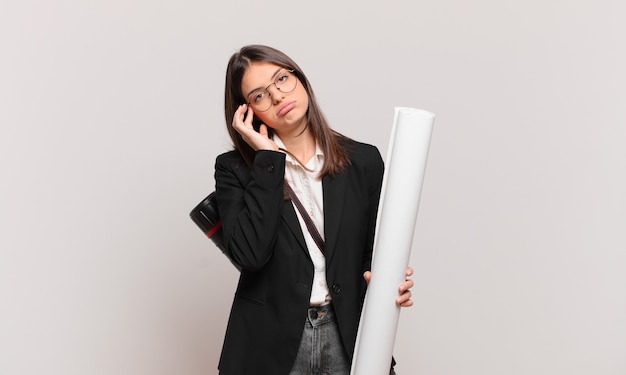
(111, 116)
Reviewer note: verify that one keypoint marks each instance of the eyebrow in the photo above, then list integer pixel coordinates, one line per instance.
(260, 87)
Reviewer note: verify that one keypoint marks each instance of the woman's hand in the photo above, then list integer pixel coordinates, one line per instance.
(404, 292)
(257, 140)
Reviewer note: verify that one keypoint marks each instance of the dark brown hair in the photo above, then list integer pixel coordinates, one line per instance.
(333, 144)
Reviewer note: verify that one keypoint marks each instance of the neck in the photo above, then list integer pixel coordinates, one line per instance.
(300, 144)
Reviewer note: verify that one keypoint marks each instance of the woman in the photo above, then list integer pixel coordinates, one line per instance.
(298, 302)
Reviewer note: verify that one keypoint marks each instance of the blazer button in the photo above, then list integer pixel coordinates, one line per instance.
(336, 288)
(270, 168)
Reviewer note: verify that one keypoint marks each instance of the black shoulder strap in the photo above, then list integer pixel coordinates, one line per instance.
(307, 219)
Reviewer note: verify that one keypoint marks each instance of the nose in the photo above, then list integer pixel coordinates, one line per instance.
(275, 93)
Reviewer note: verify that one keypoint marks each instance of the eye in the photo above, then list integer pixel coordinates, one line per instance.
(282, 78)
(258, 96)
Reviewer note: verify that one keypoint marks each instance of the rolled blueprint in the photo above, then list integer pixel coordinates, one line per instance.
(397, 215)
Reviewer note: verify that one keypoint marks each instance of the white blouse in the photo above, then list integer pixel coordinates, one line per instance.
(308, 187)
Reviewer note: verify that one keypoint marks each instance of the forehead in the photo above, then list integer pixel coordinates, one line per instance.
(258, 75)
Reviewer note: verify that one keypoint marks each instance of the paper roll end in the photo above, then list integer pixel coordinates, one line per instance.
(415, 112)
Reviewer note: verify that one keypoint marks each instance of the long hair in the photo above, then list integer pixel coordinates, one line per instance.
(332, 143)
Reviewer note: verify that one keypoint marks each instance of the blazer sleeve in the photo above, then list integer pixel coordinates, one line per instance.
(374, 170)
(250, 202)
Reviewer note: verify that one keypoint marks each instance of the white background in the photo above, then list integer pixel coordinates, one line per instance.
(111, 117)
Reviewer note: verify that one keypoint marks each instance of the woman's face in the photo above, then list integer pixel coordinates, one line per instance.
(287, 110)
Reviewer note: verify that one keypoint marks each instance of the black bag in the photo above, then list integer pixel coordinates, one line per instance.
(207, 218)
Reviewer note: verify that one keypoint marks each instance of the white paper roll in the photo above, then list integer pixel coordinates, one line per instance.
(397, 214)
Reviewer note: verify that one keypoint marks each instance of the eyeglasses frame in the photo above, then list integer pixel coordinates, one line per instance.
(277, 88)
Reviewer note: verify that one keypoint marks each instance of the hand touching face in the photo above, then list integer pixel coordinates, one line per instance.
(242, 123)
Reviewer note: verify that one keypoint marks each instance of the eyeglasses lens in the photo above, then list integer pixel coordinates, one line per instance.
(285, 82)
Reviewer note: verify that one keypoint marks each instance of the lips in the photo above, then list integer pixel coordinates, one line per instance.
(285, 108)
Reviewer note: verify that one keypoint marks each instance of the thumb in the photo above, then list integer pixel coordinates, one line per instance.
(263, 130)
(367, 276)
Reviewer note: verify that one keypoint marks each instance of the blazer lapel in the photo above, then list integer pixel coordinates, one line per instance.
(291, 219)
(334, 198)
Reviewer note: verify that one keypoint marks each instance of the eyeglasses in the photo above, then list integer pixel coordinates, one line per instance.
(285, 82)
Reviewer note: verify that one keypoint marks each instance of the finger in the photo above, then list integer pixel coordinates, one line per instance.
(406, 296)
(409, 271)
(404, 299)
(263, 130)
(406, 286)
(367, 276)
(238, 117)
(249, 116)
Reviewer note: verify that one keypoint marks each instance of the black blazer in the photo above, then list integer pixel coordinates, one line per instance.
(263, 236)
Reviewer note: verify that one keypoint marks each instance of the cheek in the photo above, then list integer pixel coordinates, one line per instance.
(265, 119)
(305, 98)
